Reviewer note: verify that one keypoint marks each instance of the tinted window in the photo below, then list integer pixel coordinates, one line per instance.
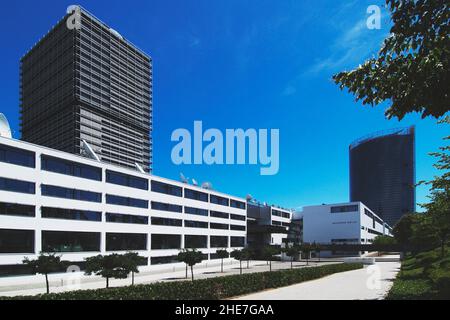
(126, 241)
(219, 200)
(75, 194)
(69, 214)
(218, 226)
(339, 209)
(237, 227)
(126, 180)
(195, 195)
(17, 156)
(164, 260)
(237, 217)
(237, 204)
(167, 222)
(166, 207)
(70, 168)
(16, 241)
(166, 241)
(196, 211)
(64, 241)
(165, 188)
(217, 214)
(14, 209)
(237, 242)
(218, 242)
(126, 218)
(125, 201)
(17, 186)
(193, 241)
(195, 224)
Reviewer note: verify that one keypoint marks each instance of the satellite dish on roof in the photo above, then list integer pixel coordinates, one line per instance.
(87, 151)
(207, 185)
(249, 197)
(183, 178)
(5, 129)
(194, 182)
(117, 34)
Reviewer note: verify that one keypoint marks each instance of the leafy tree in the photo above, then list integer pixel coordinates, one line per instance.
(292, 252)
(110, 266)
(317, 248)
(248, 253)
(190, 257)
(268, 252)
(403, 230)
(131, 262)
(412, 66)
(222, 254)
(238, 255)
(384, 240)
(44, 264)
(306, 249)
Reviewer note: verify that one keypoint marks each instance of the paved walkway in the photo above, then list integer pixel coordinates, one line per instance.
(359, 284)
(26, 285)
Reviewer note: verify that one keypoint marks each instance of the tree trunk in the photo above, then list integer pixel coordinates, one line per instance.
(292, 261)
(186, 270)
(240, 266)
(132, 278)
(46, 283)
(221, 266)
(270, 265)
(192, 272)
(107, 282)
(248, 264)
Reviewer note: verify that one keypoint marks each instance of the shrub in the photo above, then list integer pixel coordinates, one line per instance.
(204, 289)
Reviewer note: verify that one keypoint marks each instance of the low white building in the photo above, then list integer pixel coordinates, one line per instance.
(53, 201)
(342, 223)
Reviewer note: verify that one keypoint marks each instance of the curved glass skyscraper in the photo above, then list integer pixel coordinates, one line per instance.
(382, 173)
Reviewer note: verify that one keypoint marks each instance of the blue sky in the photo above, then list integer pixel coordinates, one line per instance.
(243, 64)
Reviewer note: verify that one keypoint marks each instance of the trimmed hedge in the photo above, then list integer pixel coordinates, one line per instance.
(203, 289)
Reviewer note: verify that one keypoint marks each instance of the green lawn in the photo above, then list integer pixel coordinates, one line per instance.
(423, 276)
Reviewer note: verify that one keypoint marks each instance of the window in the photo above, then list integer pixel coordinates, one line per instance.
(237, 217)
(17, 186)
(196, 211)
(341, 209)
(65, 241)
(219, 200)
(66, 193)
(214, 256)
(285, 215)
(70, 168)
(126, 241)
(164, 260)
(125, 201)
(166, 241)
(237, 242)
(165, 188)
(126, 218)
(218, 226)
(237, 227)
(237, 204)
(126, 180)
(218, 242)
(276, 223)
(195, 224)
(193, 241)
(217, 214)
(166, 207)
(14, 209)
(166, 222)
(17, 156)
(195, 195)
(16, 241)
(69, 214)
(276, 213)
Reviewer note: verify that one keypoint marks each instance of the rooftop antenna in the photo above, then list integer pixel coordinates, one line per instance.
(183, 178)
(5, 129)
(249, 197)
(207, 185)
(194, 182)
(87, 151)
(139, 167)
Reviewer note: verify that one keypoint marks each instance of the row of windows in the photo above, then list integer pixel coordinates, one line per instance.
(341, 209)
(279, 213)
(126, 180)
(17, 156)
(70, 168)
(66, 193)
(22, 241)
(13, 209)
(126, 201)
(17, 186)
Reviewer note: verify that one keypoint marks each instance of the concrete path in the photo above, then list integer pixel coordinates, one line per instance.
(372, 282)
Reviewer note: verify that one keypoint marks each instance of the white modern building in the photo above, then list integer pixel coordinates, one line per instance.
(52, 201)
(343, 223)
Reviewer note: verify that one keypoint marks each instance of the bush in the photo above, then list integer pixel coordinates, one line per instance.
(204, 289)
(418, 289)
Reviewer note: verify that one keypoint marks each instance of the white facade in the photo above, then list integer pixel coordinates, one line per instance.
(232, 224)
(280, 217)
(343, 223)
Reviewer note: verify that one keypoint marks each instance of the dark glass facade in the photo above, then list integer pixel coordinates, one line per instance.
(88, 84)
(382, 173)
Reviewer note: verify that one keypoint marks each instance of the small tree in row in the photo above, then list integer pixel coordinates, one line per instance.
(190, 257)
(221, 254)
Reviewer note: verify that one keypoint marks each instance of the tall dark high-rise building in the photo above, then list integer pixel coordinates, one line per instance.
(88, 83)
(382, 173)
